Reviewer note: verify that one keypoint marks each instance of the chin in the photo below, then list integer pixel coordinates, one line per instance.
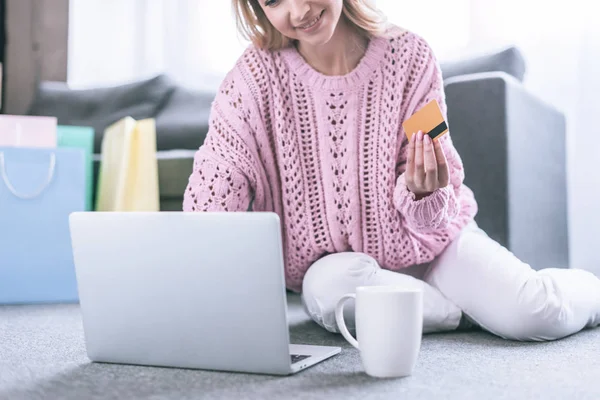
(321, 37)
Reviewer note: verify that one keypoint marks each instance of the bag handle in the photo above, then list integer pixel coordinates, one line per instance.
(12, 189)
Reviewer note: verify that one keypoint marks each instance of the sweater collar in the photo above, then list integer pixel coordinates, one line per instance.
(310, 76)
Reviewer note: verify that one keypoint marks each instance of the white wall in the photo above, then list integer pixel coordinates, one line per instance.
(445, 24)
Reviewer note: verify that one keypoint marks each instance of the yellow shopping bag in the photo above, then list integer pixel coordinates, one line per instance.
(128, 176)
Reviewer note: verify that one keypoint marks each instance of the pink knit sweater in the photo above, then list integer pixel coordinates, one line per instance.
(327, 153)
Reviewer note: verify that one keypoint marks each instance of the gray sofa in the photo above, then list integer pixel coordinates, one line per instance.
(512, 143)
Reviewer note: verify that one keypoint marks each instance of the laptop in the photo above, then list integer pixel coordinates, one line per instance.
(186, 290)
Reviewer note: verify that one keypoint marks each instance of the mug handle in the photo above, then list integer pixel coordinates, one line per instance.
(339, 317)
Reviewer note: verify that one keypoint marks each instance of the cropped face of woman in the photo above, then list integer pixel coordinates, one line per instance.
(310, 22)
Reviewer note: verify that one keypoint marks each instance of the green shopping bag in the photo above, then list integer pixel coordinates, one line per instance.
(81, 137)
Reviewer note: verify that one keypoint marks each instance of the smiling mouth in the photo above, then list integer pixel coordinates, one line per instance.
(313, 22)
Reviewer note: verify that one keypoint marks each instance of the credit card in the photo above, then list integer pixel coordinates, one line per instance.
(428, 119)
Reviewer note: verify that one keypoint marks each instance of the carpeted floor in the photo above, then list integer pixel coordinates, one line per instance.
(42, 356)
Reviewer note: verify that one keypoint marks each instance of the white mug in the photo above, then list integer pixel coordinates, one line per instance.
(389, 327)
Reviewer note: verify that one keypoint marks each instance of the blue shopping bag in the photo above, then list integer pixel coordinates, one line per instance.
(39, 188)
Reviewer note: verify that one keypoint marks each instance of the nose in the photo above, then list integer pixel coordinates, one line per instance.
(298, 11)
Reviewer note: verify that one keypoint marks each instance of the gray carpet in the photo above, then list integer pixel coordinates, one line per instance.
(42, 356)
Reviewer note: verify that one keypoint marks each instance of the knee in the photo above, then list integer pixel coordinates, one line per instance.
(340, 270)
(331, 277)
(543, 313)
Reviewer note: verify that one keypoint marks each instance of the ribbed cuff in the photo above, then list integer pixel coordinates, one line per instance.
(429, 213)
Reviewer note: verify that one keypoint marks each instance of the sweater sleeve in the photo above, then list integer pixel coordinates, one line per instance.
(438, 210)
(223, 176)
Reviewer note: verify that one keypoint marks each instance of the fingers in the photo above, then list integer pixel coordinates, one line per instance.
(442, 164)
(419, 173)
(431, 168)
(427, 167)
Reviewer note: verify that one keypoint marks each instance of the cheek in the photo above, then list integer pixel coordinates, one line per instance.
(279, 21)
(337, 6)
(334, 5)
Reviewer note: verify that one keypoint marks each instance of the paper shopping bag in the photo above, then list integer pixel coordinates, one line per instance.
(39, 188)
(27, 131)
(81, 137)
(128, 176)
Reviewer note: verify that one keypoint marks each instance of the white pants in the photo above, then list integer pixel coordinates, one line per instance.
(474, 276)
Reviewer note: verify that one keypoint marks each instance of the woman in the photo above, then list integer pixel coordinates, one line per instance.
(308, 124)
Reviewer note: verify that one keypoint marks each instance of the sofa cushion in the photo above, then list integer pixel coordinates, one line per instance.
(100, 107)
(182, 123)
(509, 60)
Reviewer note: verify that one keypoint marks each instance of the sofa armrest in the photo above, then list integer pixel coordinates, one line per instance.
(513, 147)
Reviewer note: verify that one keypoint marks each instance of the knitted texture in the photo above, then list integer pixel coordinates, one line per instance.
(328, 153)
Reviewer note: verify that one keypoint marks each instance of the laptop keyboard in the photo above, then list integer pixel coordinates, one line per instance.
(297, 357)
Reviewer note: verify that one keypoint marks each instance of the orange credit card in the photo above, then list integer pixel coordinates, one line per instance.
(428, 119)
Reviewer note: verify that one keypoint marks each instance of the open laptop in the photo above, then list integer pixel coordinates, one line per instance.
(186, 290)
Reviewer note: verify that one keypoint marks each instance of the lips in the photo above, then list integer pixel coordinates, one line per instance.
(312, 22)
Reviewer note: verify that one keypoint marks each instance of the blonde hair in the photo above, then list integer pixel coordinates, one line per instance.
(254, 25)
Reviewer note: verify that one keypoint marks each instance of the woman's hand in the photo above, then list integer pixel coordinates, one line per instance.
(427, 169)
